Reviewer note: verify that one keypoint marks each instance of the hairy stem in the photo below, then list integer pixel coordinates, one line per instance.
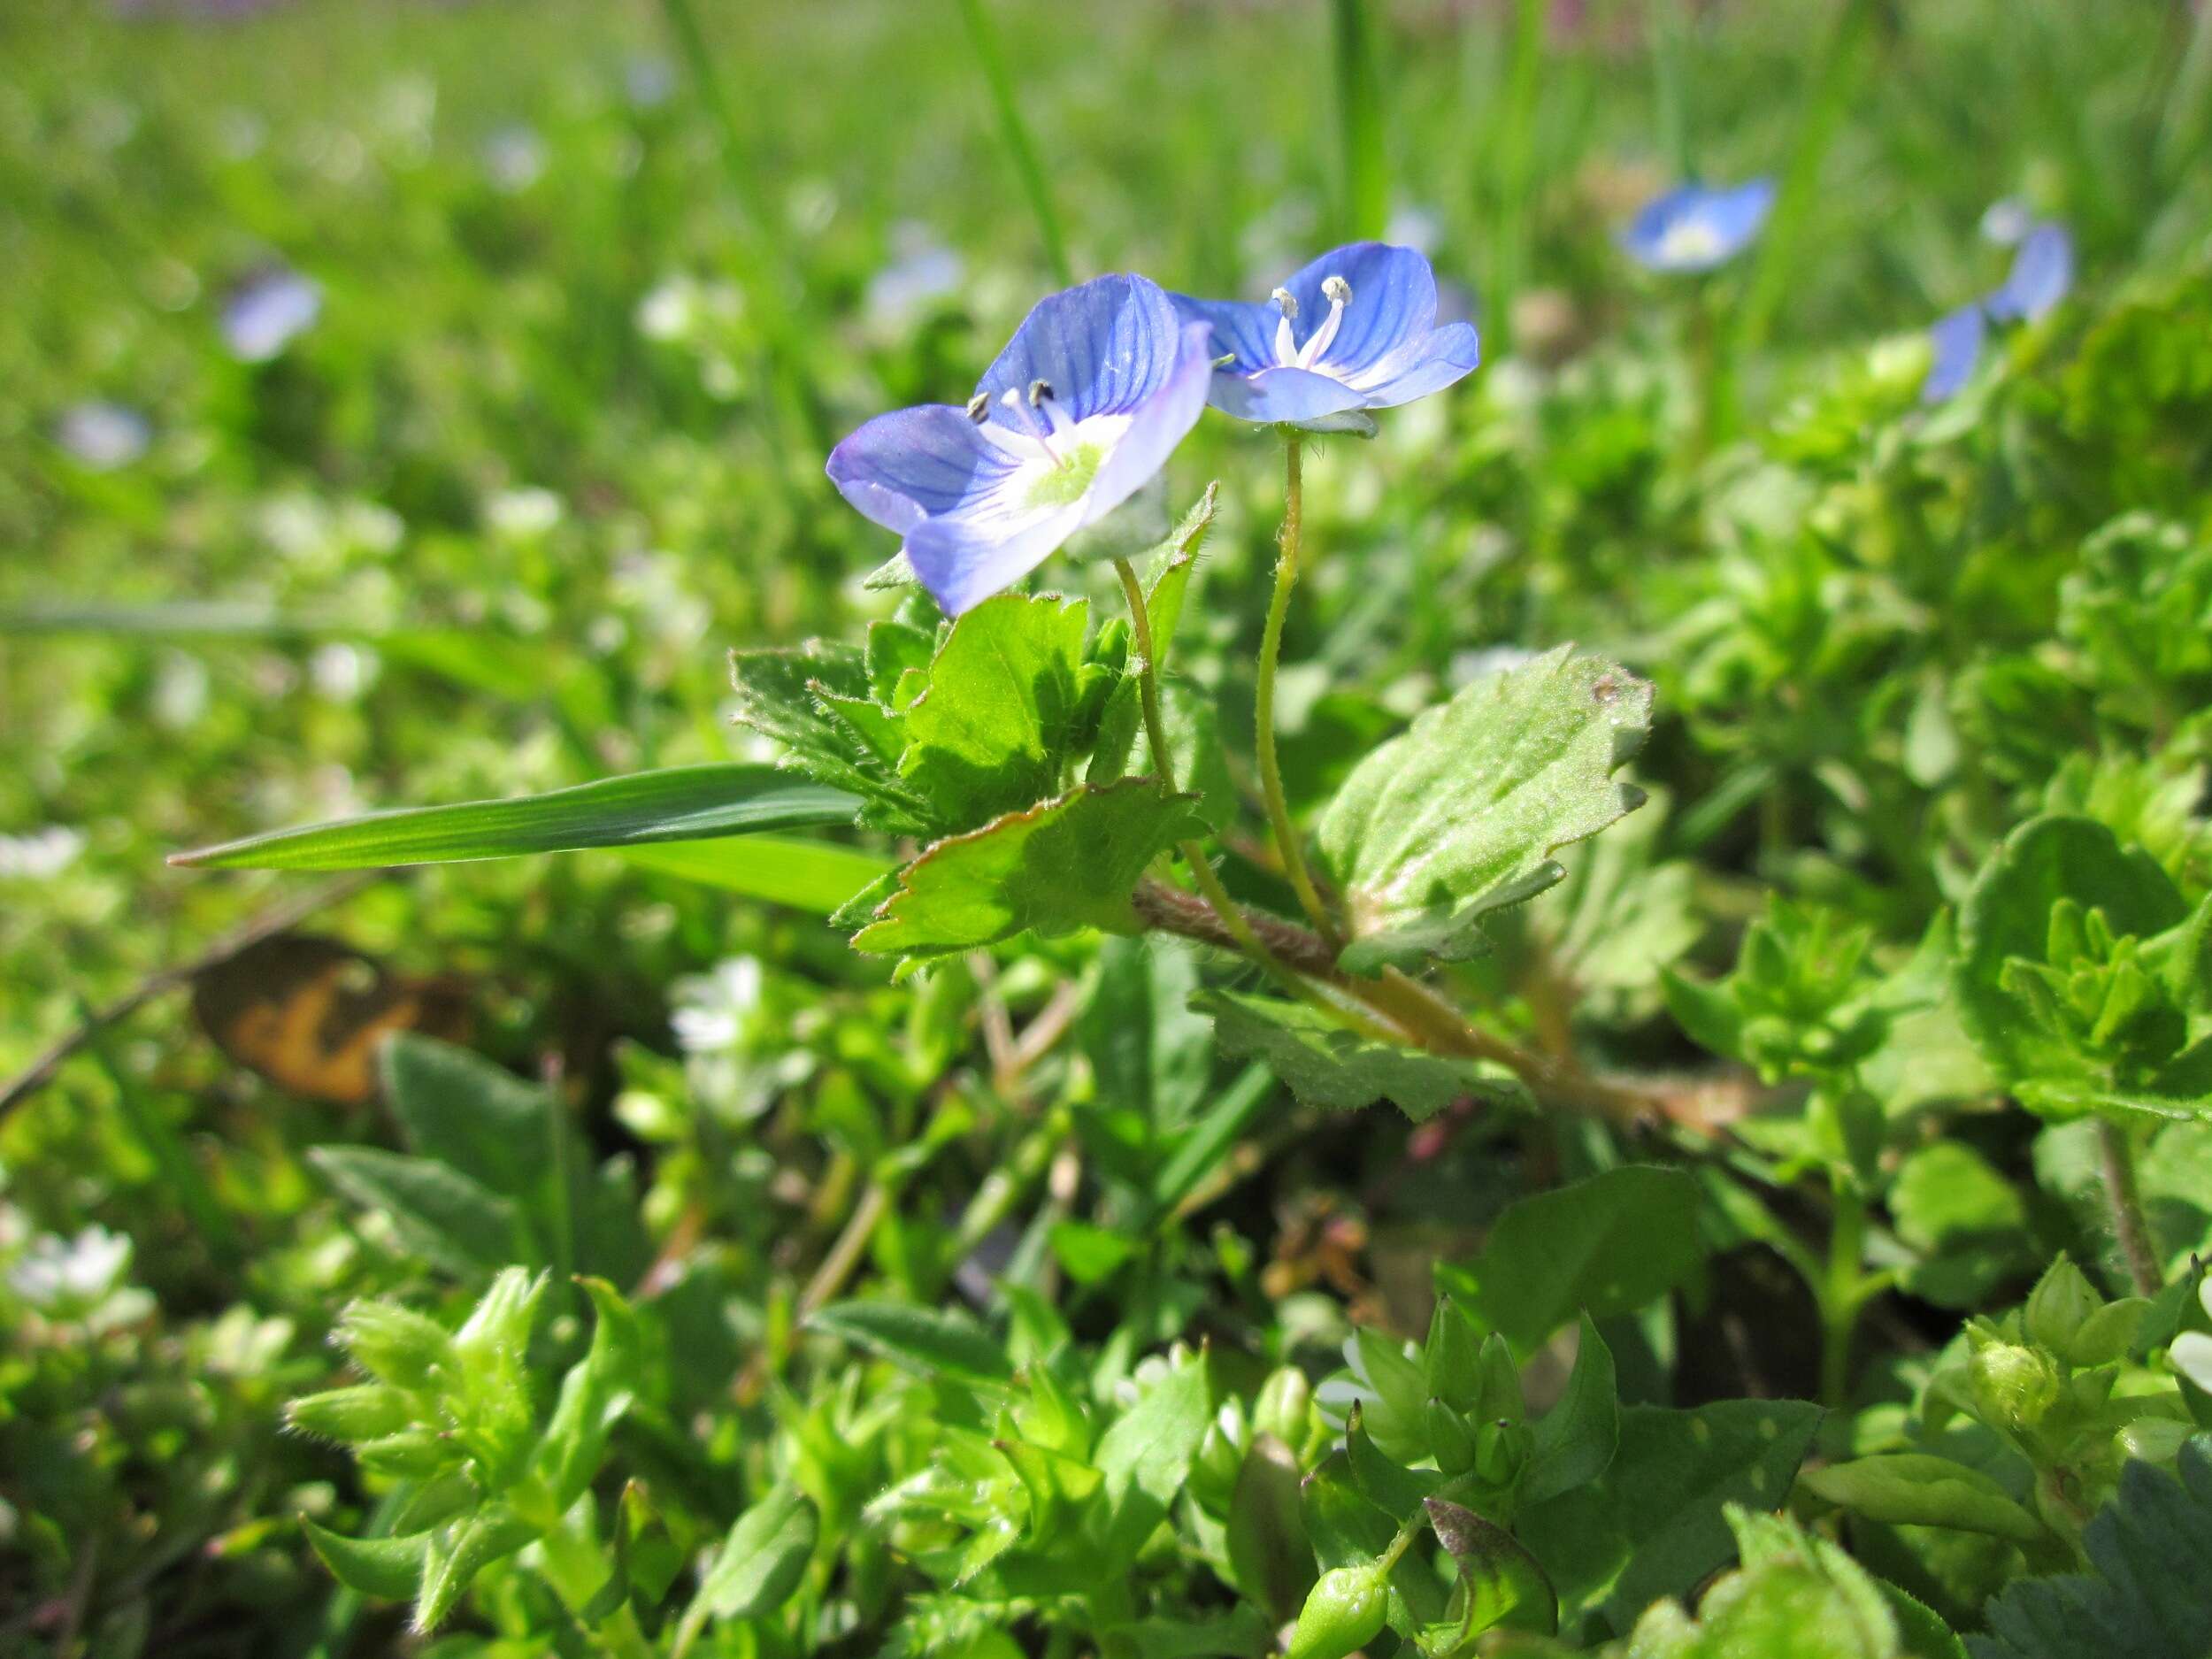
(2130, 1224)
(1286, 842)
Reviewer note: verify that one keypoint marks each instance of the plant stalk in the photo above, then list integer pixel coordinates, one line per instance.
(1286, 842)
(1840, 1296)
(2130, 1224)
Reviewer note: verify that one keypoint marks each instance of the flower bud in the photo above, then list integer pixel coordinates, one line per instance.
(413, 1454)
(1213, 1473)
(2061, 1303)
(1450, 1441)
(1501, 1449)
(1285, 1401)
(366, 1412)
(402, 1346)
(1344, 1611)
(2014, 1387)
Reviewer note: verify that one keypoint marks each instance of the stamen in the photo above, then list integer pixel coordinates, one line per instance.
(980, 408)
(1286, 342)
(1029, 416)
(1040, 393)
(1339, 293)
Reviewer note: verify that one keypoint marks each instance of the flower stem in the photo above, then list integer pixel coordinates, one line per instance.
(2130, 1224)
(1286, 842)
(1014, 132)
(1839, 1294)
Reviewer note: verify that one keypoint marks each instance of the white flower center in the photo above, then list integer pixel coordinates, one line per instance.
(1690, 239)
(1288, 352)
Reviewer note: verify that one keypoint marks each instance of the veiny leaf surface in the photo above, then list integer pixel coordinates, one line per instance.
(1324, 1065)
(993, 730)
(1603, 1245)
(680, 805)
(1461, 812)
(1055, 868)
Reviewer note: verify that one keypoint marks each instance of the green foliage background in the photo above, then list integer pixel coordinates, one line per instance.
(1928, 687)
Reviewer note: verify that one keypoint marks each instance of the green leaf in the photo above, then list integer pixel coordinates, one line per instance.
(2143, 1592)
(992, 734)
(929, 1341)
(1506, 1584)
(1349, 1531)
(1324, 1065)
(466, 1112)
(459, 1552)
(680, 804)
(452, 1222)
(1967, 1223)
(1919, 1489)
(1269, 1555)
(594, 1394)
(1173, 565)
(814, 701)
(1390, 1486)
(2007, 930)
(1055, 868)
(1603, 1245)
(815, 877)
(1654, 1525)
(389, 1568)
(1575, 1440)
(1460, 814)
(1796, 1596)
(760, 1563)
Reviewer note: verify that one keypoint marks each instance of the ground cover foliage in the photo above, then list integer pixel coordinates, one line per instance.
(1578, 1023)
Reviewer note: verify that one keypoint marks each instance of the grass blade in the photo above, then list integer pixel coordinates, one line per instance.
(683, 803)
(1366, 165)
(1014, 132)
(814, 876)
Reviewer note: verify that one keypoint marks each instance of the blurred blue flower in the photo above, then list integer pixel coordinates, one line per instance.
(266, 312)
(513, 157)
(921, 271)
(1367, 312)
(649, 81)
(2042, 272)
(1955, 343)
(103, 435)
(1696, 227)
(1098, 385)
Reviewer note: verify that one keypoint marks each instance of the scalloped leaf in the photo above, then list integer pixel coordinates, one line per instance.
(1324, 1065)
(1459, 815)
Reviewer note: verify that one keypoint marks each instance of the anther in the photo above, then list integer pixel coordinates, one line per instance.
(1338, 290)
(1040, 393)
(980, 408)
(1288, 300)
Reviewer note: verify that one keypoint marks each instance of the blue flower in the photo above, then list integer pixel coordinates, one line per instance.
(2042, 272)
(265, 311)
(1098, 385)
(1695, 227)
(1353, 331)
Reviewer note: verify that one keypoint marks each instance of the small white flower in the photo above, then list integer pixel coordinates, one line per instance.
(41, 855)
(523, 513)
(58, 1273)
(2191, 1352)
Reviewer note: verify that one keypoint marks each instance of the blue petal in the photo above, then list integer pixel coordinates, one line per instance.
(1246, 333)
(916, 464)
(1161, 423)
(1394, 300)
(1103, 346)
(1722, 224)
(2042, 271)
(1957, 341)
(1430, 363)
(1285, 395)
(964, 559)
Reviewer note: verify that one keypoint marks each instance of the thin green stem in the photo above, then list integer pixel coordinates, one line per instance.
(1514, 165)
(2130, 1224)
(1841, 1294)
(1286, 842)
(1014, 132)
(1148, 668)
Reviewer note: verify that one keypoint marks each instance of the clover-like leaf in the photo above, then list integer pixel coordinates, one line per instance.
(1458, 816)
